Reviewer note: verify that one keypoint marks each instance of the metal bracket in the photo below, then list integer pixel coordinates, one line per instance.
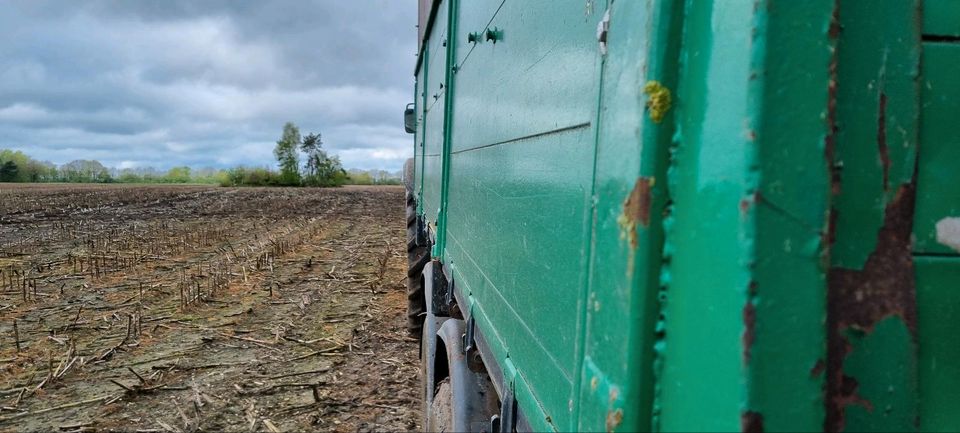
(437, 289)
(603, 29)
(469, 341)
(494, 35)
(421, 239)
(448, 297)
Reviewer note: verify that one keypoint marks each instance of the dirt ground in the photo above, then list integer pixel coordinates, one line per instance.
(166, 308)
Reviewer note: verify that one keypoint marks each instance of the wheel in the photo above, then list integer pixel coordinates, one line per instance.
(427, 388)
(461, 399)
(417, 258)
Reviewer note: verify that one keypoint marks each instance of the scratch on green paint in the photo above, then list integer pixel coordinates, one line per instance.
(659, 100)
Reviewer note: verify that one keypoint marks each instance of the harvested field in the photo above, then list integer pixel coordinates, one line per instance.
(163, 308)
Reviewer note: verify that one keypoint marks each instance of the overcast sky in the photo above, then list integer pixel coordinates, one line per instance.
(205, 83)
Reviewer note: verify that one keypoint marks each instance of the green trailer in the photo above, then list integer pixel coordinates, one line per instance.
(699, 215)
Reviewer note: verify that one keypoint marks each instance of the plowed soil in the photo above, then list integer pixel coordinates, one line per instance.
(188, 309)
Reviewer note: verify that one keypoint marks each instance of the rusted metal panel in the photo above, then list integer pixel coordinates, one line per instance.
(871, 366)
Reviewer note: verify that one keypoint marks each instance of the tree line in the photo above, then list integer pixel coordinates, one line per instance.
(16, 166)
(319, 169)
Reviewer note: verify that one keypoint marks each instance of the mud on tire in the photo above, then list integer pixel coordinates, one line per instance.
(417, 258)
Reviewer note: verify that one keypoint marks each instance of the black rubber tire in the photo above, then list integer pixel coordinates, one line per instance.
(417, 258)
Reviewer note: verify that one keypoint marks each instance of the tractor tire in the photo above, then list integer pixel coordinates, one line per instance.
(417, 258)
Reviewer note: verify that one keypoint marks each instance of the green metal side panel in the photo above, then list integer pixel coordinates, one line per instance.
(749, 187)
(520, 179)
(941, 17)
(938, 176)
(552, 74)
(716, 225)
(630, 194)
(784, 338)
(938, 299)
(708, 248)
(872, 360)
(936, 223)
(420, 101)
(877, 66)
(435, 114)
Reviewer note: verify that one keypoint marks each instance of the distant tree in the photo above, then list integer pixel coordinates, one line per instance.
(374, 177)
(9, 171)
(321, 169)
(85, 171)
(178, 175)
(330, 172)
(359, 177)
(129, 175)
(312, 146)
(286, 153)
(42, 171)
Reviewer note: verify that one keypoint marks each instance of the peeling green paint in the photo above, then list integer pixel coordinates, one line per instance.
(886, 400)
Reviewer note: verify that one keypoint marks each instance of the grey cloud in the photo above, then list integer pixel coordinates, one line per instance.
(175, 82)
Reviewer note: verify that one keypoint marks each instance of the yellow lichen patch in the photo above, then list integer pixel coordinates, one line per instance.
(659, 100)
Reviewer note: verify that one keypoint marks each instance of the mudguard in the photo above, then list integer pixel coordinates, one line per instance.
(474, 399)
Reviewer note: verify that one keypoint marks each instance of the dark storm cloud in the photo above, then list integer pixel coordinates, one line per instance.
(205, 82)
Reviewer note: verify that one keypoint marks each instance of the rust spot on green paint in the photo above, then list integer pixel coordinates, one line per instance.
(747, 202)
(614, 418)
(636, 210)
(749, 319)
(885, 286)
(835, 28)
(859, 299)
(831, 138)
(751, 422)
(749, 322)
(659, 100)
(818, 368)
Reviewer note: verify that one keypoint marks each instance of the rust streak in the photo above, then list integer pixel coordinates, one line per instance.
(637, 206)
(636, 209)
(749, 323)
(818, 368)
(831, 138)
(882, 140)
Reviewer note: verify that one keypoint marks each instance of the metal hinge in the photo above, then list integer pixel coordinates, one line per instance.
(603, 29)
